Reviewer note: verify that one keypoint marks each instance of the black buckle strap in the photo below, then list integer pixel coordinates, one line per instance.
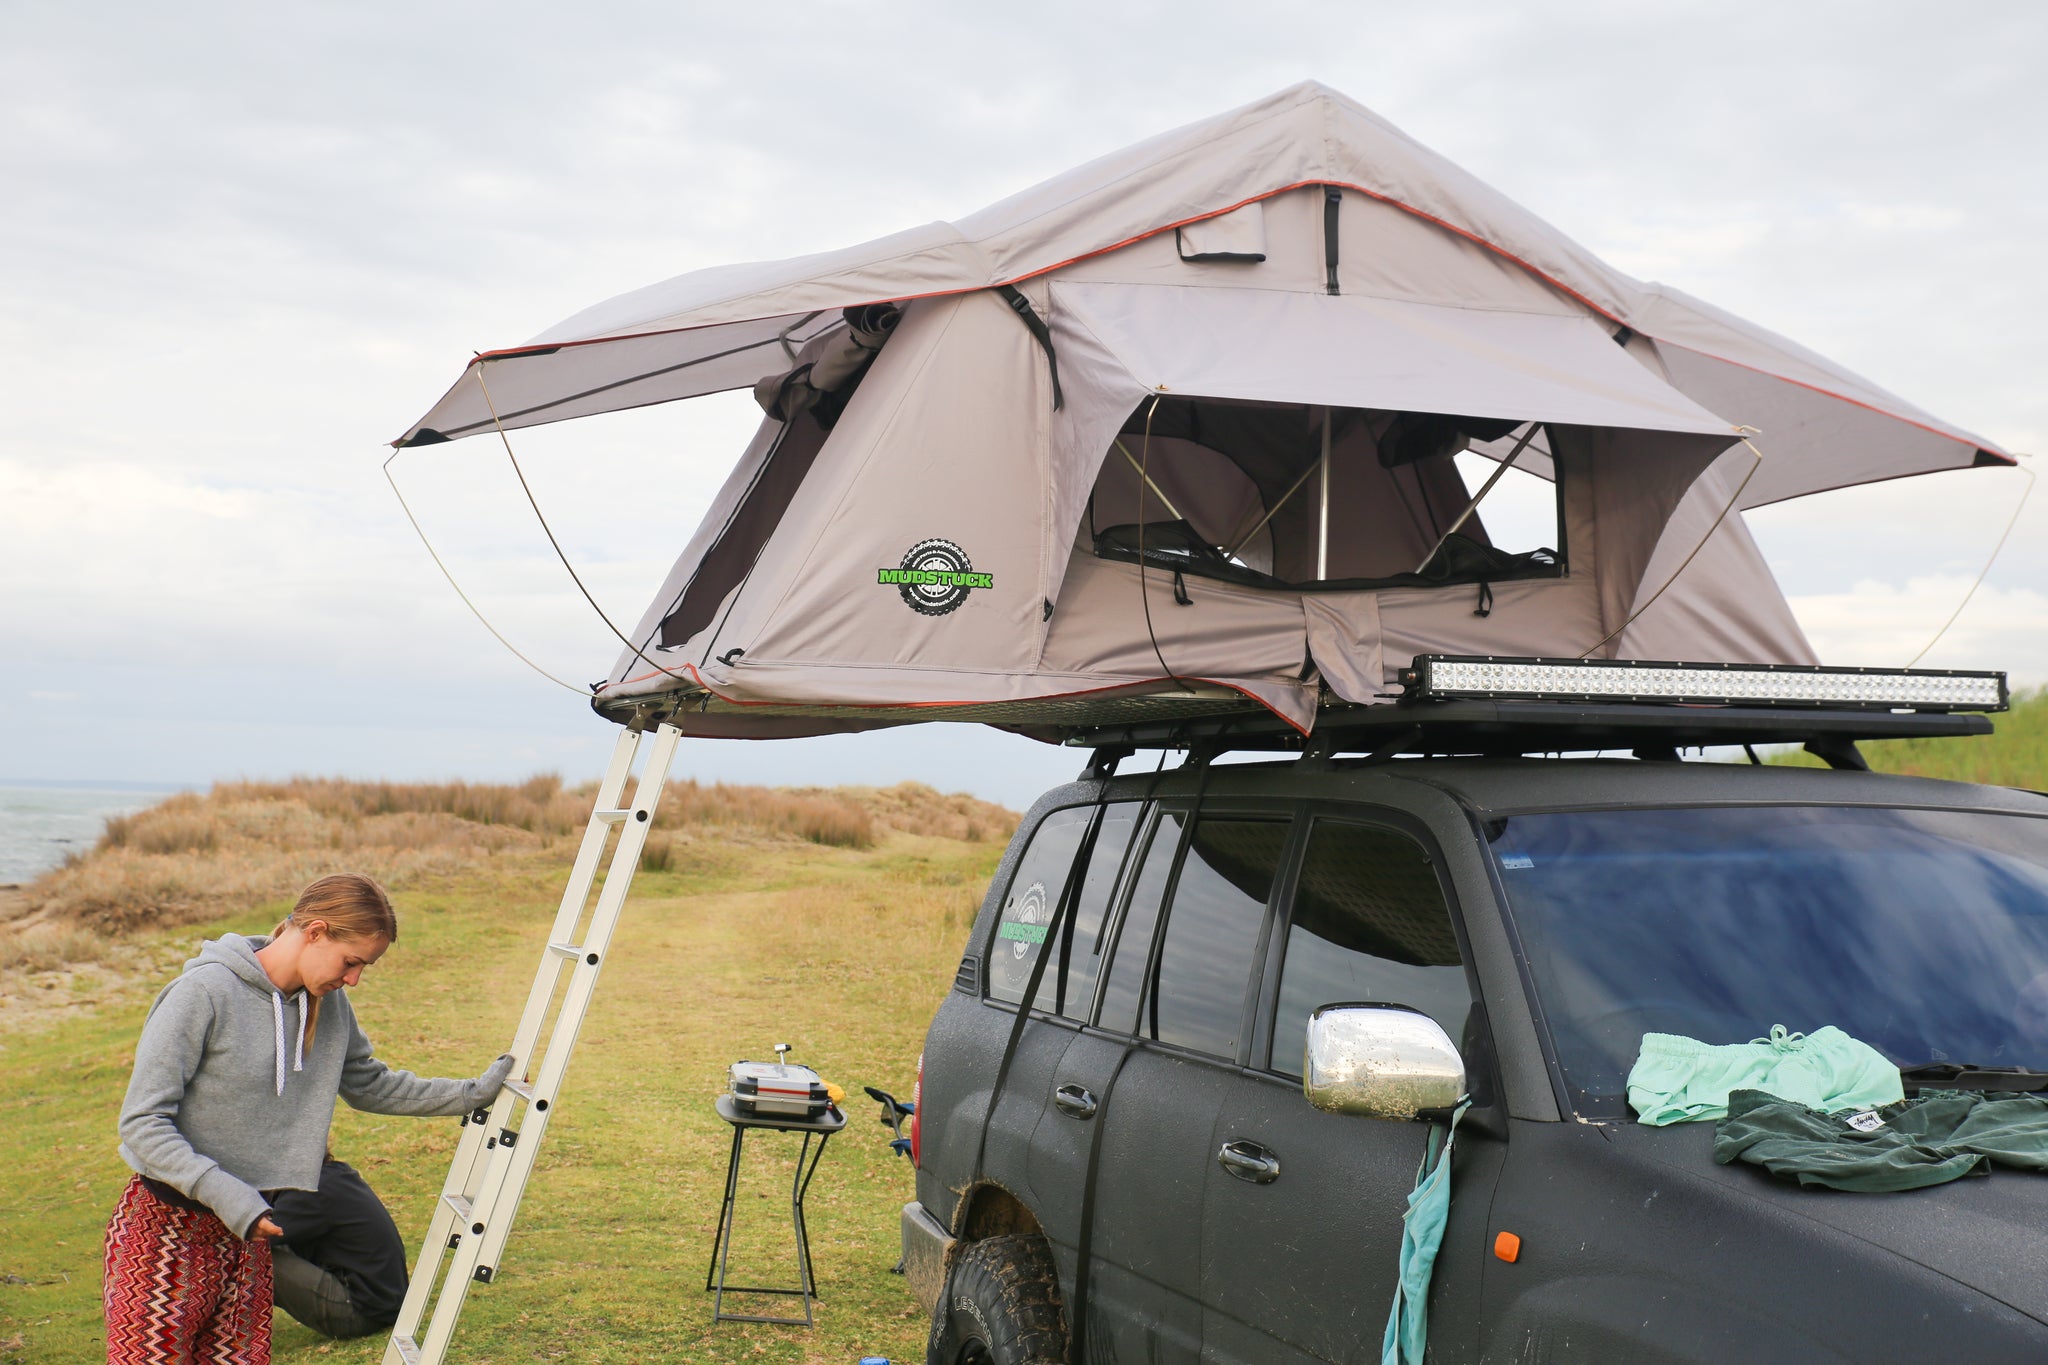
(1040, 333)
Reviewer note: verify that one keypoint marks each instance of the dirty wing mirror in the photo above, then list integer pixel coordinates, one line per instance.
(1383, 1061)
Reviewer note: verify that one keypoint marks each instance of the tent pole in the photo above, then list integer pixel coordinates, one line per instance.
(1473, 506)
(1157, 491)
(1323, 534)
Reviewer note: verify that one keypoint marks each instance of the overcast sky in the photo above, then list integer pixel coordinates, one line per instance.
(247, 244)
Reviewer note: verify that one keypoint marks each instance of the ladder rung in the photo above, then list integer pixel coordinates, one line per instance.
(407, 1350)
(612, 817)
(566, 949)
(522, 1089)
(458, 1202)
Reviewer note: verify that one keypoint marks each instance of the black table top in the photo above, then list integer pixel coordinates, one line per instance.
(831, 1121)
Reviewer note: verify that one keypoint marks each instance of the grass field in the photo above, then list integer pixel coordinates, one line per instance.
(2016, 756)
(838, 935)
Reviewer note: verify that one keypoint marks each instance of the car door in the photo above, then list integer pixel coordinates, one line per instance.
(1063, 1135)
(1170, 1029)
(1300, 1255)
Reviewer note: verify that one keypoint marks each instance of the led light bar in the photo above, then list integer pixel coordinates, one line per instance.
(1442, 676)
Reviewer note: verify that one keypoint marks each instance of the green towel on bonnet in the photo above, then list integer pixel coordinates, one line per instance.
(1925, 1141)
(1683, 1080)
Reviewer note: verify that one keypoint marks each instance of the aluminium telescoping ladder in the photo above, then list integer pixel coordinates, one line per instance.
(494, 1158)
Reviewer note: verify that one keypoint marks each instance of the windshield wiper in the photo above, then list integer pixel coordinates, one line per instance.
(1969, 1076)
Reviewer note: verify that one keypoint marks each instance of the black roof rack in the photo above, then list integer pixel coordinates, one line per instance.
(1508, 728)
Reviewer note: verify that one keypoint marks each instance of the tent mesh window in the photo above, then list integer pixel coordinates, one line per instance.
(1235, 490)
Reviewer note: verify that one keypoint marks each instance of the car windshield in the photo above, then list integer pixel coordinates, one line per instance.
(1921, 932)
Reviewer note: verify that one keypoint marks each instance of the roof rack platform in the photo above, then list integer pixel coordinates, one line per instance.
(1508, 728)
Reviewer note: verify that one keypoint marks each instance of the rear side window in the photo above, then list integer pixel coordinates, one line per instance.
(1212, 932)
(1068, 986)
(1126, 984)
(1369, 924)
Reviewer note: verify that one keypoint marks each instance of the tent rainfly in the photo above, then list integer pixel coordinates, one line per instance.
(1179, 432)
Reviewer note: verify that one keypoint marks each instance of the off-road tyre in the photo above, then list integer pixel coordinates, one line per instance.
(1001, 1306)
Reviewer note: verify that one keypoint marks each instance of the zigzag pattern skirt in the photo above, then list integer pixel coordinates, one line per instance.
(180, 1289)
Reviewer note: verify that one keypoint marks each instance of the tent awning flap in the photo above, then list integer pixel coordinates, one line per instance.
(1361, 352)
(530, 388)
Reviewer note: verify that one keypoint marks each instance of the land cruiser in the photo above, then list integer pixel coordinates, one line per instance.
(1127, 1167)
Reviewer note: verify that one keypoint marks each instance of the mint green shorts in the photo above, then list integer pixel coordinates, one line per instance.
(1683, 1080)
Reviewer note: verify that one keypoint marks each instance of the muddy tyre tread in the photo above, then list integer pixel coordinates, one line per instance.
(1015, 1286)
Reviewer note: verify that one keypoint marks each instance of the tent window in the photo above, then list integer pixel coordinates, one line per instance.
(1245, 492)
(731, 557)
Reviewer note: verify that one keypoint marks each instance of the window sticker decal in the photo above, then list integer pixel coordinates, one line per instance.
(1027, 930)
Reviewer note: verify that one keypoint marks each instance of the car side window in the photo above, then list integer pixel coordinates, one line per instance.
(1369, 923)
(1212, 933)
(1068, 986)
(1126, 984)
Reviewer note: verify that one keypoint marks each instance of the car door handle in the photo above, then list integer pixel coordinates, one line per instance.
(1074, 1102)
(1249, 1161)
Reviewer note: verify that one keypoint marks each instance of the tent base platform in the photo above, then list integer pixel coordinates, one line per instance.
(1044, 717)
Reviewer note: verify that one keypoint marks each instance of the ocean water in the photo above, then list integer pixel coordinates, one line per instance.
(39, 825)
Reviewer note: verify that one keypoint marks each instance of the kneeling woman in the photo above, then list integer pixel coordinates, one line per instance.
(235, 1079)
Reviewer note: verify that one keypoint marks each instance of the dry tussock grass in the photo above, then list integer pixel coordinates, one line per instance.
(193, 857)
(915, 808)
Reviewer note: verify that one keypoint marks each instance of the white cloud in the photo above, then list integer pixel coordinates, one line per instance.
(1884, 625)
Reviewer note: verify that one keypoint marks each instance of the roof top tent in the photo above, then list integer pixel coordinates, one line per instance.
(1191, 430)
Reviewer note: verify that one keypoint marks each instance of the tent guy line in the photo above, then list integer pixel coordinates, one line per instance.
(1996, 550)
(534, 503)
(474, 610)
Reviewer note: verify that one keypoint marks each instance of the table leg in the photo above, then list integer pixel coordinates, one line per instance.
(721, 1245)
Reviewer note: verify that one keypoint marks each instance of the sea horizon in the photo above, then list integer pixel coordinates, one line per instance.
(45, 820)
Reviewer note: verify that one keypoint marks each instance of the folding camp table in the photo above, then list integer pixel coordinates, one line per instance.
(822, 1128)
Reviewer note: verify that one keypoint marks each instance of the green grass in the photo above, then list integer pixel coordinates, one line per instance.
(2016, 756)
(843, 952)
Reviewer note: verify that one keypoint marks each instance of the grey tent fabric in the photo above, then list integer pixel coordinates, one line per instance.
(1415, 225)
(1175, 433)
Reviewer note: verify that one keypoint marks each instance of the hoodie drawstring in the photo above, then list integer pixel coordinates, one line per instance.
(299, 1050)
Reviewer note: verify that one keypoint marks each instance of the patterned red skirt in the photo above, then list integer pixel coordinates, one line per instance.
(180, 1288)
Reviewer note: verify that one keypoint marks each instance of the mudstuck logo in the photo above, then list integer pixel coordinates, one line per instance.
(935, 577)
(1028, 926)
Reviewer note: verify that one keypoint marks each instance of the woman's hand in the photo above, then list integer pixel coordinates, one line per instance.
(265, 1228)
(493, 1079)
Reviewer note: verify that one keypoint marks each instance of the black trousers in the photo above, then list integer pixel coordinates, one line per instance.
(317, 1297)
(340, 1267)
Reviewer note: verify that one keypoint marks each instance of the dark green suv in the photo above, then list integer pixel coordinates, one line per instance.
(1130, 1170)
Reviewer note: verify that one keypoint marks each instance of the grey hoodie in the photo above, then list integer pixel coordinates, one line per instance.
(229, 1100)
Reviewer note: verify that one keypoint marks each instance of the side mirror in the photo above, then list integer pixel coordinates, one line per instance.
(1383, 1061)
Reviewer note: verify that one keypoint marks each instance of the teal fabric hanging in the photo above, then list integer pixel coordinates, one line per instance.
(1422, 1234)
(1683, 1080)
